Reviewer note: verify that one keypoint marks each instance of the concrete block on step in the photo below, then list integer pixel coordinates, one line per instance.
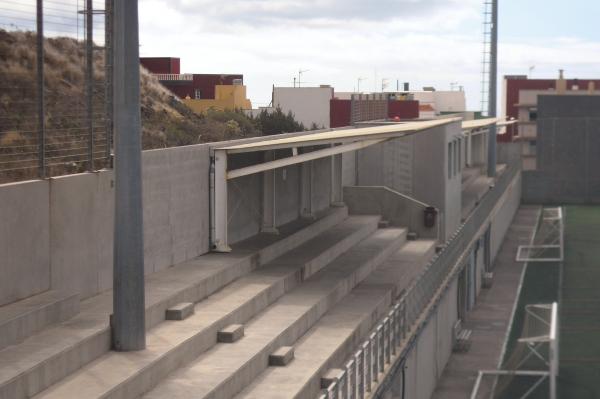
(282, 356)
(230, 334)
(383, 224)
(181, 311)
(331, 376)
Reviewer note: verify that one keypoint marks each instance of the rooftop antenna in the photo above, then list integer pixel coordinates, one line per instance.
(360, 80)
(531, 68)
(300, 72)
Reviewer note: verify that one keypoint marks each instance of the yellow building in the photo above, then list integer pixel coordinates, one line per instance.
(227, 97)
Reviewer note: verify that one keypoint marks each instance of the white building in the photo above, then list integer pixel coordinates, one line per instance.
(310, 105)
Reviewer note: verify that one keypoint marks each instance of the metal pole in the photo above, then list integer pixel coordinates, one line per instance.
(89, 79)
(108, 70)
(492, 92)
(128, 322)
(40, 91)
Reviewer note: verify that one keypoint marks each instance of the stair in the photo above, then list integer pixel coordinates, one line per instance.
(226, 369)
(52, 354)
(175, 343)
(337, 336)
(24, 318)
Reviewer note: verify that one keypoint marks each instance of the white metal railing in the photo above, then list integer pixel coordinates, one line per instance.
(174, 76)
(370, 361)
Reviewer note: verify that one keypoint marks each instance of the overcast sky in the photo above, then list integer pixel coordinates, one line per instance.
(424, 42)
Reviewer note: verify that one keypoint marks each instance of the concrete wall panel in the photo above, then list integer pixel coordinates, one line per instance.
(287, 194)
(322, 184)
(24, 240)
(502, 220)
(349, 169)
(427, 361)
(81, 231)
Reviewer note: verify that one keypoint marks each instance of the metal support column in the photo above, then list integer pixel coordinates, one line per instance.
(220, 202)
(492, 91)
(40, 91)
(89, 79)
(128, 321)
(269, 222)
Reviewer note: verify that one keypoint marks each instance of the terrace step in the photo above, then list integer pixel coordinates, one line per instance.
(225, 370)
(49, 356)
(173, 344)
(20, 320)
(338, 335)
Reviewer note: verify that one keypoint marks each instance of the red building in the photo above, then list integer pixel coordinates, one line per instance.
(514, 84)
(196, 86)
(340, 113)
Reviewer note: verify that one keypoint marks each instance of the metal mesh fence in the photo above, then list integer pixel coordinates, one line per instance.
(54, 92)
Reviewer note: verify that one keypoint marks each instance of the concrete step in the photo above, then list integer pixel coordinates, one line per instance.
(335, 338)
(327, 344)
(24, 318)
(54, 353)
(173, 344)
(226, 369)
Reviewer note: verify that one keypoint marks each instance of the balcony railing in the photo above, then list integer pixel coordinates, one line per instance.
(174, 76)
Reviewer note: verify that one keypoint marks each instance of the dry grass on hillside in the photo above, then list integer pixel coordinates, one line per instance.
(166, 122)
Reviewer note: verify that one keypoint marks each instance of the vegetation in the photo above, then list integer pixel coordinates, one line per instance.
(166, 121)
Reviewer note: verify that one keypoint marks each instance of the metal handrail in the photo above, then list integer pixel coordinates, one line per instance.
(368, 372)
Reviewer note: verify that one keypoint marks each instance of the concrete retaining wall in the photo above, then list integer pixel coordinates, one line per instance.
(399, 209)
(505, 215)
(426, 361)
(24, 240)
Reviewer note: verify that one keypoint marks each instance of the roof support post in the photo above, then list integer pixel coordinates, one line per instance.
(219, 210)
(269, 215)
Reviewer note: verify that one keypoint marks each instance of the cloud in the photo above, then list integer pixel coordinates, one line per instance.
(424, 42)
(257, 12)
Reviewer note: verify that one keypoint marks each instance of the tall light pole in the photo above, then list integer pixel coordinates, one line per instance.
(128, 321)
(493, 82)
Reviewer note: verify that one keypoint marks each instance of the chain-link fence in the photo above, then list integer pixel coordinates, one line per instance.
(55, 88)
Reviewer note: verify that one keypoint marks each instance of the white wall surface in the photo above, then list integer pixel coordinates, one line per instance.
(308, 104)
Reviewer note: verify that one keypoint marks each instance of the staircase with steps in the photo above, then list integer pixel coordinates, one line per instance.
(320, 285)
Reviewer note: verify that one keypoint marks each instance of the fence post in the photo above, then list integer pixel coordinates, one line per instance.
(128, 322)
(108, 78)
(89, 79)
(40, 91)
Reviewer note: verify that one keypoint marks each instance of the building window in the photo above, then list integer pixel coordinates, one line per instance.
(533, 114)
(449, 160)
(197, 94)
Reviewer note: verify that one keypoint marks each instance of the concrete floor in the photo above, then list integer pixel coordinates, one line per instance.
(489, 319)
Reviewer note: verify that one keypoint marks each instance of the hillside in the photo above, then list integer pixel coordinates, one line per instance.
(166, 122)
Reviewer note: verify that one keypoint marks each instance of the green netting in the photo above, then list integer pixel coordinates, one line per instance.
(580, 305)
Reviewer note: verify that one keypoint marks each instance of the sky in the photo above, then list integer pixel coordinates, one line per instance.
(424, 42)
